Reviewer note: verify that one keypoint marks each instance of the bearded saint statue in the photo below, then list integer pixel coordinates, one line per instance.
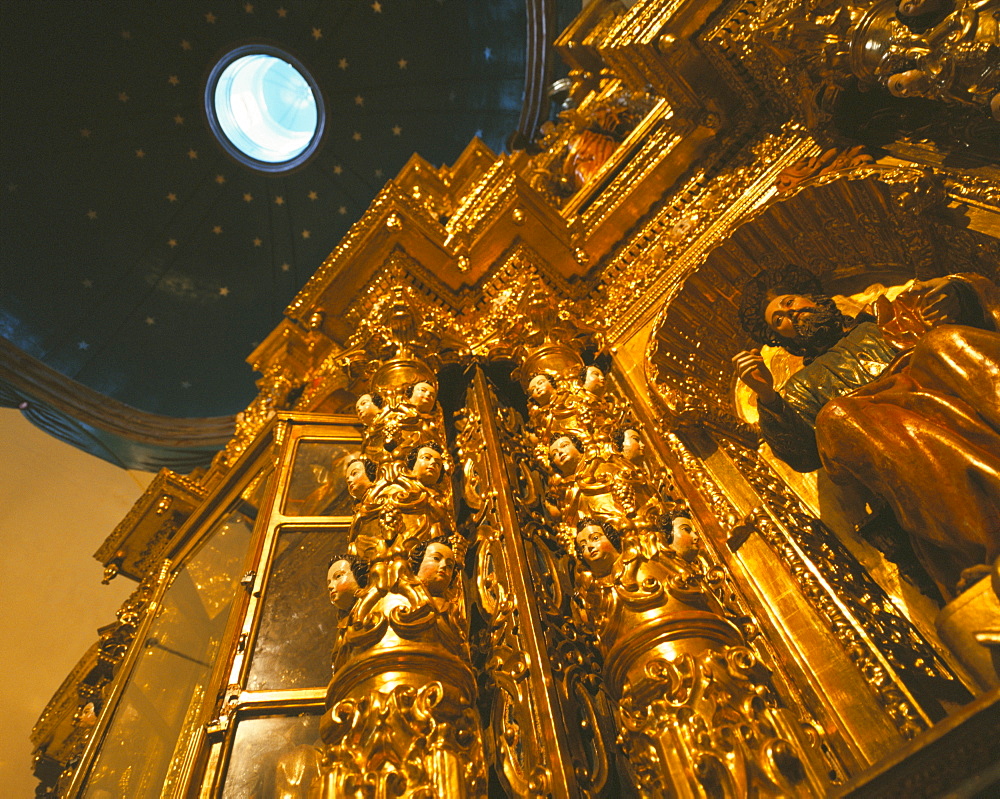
(904, 402)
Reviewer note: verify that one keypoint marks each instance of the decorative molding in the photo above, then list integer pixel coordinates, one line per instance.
(32, 377)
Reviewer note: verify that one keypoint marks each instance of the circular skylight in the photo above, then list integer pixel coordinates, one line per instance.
(265, 108)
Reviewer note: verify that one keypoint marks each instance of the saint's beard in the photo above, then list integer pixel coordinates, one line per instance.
(818, 329)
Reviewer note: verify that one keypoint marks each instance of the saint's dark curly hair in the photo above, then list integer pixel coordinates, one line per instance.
(614, 536)
(359, 566)
(758, 291)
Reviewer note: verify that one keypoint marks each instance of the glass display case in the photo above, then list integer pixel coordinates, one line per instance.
(225, 679)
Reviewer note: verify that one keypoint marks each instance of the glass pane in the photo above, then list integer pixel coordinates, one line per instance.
(164, 692)
(253, 495)
(274, 756)
(297, 622)
(317, 486)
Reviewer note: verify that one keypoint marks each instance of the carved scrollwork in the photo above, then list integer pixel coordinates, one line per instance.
(713, 715)
(406, 740)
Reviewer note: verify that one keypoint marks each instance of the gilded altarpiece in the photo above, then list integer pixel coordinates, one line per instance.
(500, 521)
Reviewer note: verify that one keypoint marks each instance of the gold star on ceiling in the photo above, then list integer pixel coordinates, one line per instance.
(173, 80)
(192, 153)
(247, 197)
(178, 119)
(150, 320)
(279, 200)
(123, 97)
(185, 44)
(312, 195)
(397, 130)
(378, 173)
(306, 234)
(402, 63)
(126, 34)
(342, 210)
(172, 197)
(285, 267)
(258, 241)
(85, 132)
(217, 230)
(337, 169)
(210, 18)
(248, 7)
(377, 7)
(317, 33)
(359, 100)
(171, 243)
(220, 179)
(282, 12)
(87, 283)
(224, 291)
(356, 136)
(92, 215)
(140, 153)
(342, 63)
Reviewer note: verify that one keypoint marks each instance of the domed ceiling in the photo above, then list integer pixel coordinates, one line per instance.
(142, 260)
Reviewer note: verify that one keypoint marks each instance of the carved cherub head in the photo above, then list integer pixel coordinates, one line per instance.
(359, 474)
(541, 389)
(912, 82)
(628, 442)
(426, 464)
(684, 534)
(422, 396)
(566, 452)
(346, 575)
(592, 379)
(368, 406)
(434, 564)
(598, 545)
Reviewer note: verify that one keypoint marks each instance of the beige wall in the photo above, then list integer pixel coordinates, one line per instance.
(57, 505)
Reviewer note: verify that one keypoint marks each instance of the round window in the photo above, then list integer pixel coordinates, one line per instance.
(265, 108)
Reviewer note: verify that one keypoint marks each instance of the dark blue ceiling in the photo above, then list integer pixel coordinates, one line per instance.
(142, 261)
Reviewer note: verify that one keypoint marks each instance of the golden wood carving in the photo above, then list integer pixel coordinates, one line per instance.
(401, 714)
(140, 539)
(906, 673)
(65, 727)
(524, 596)
(537, 675)
(648, 604)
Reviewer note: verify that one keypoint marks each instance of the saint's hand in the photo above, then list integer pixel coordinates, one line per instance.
(751, 370)
(937, 300)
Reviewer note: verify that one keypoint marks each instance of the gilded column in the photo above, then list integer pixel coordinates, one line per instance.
(696, 710)
(401, 717)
